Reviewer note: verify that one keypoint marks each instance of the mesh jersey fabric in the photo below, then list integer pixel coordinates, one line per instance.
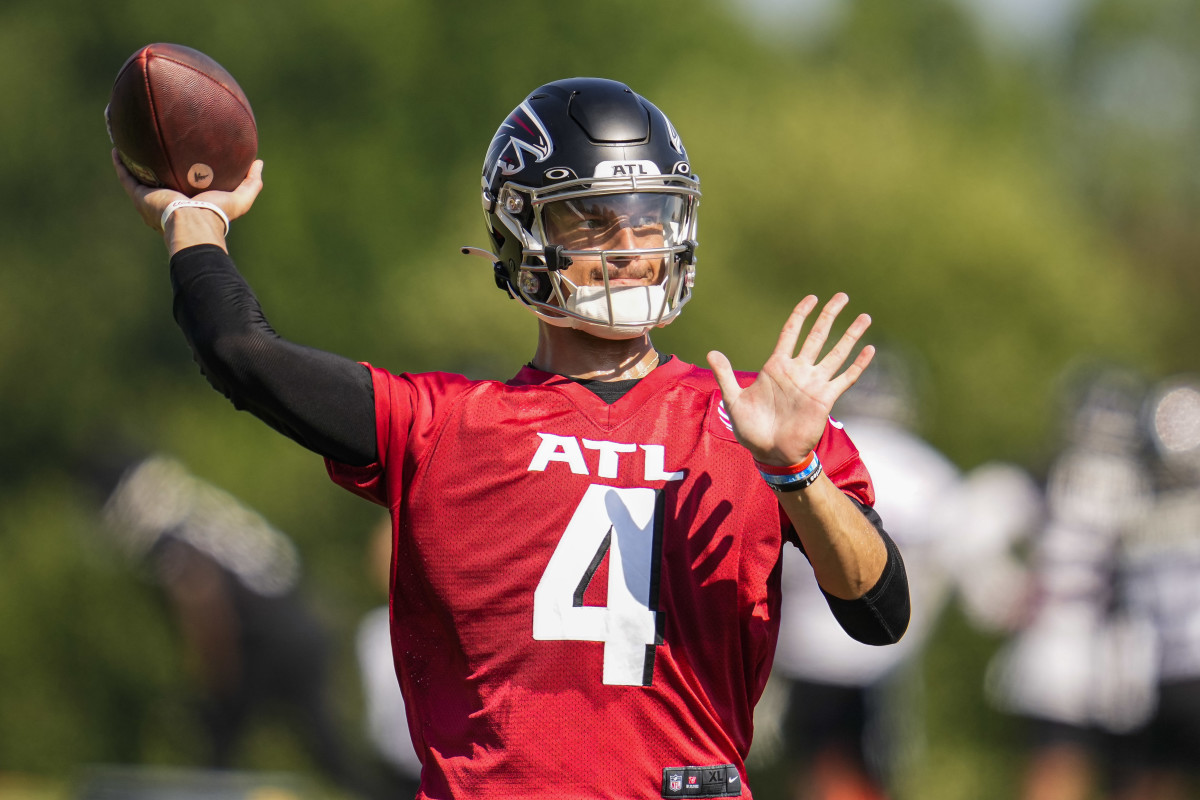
(583, 594)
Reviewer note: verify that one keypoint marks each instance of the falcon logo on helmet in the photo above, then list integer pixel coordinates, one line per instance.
(522, 133)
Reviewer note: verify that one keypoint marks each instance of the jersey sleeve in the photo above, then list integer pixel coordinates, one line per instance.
(843, 464)
(407, 408)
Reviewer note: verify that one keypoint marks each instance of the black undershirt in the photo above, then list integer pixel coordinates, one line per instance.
(326, 403)
(609, 391)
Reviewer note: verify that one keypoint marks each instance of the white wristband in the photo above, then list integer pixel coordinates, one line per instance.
(178, 204)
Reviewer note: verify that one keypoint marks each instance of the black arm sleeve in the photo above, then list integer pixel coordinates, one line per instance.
(881, 615)
(321, 400)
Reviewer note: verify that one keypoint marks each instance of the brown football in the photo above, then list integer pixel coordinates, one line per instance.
(180, 120)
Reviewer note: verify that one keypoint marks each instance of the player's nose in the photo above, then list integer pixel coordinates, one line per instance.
(623, 238)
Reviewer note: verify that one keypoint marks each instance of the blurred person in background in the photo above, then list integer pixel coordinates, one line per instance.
(1159, 561)
(853, 712)
(1081, 669)
(232, 583)
(385, 712)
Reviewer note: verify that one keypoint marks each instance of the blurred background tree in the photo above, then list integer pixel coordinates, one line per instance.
(1004, 194)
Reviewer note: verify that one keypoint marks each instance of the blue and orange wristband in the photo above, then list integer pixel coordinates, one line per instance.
(791, 478)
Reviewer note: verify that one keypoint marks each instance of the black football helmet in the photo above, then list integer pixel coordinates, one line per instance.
(588, 146)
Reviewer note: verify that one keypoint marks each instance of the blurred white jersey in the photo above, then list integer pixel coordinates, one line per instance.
(1084, 658)
(951, 532)
(1160, 565)
(386, 721)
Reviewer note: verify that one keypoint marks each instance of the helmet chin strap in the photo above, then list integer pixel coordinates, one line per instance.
(632, 306)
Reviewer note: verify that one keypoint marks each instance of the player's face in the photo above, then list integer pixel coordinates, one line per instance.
(607, 223)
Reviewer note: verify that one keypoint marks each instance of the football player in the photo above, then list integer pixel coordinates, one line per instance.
(586, 558)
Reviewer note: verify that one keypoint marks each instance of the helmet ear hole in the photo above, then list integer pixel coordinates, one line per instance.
(497, 238)
(534, 285)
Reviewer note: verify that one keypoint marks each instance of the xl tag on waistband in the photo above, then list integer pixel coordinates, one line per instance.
(722, 780)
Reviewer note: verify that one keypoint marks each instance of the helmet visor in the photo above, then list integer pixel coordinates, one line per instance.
(631, 221)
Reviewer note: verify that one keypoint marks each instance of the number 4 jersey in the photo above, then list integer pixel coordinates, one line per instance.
(585, 596)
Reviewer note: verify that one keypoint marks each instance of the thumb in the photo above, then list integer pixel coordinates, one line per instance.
(723, 372)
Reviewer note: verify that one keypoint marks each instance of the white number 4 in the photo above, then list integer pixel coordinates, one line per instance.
(620, 522)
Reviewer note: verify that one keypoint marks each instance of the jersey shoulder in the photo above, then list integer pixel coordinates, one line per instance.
(704, 382)
(703, 379)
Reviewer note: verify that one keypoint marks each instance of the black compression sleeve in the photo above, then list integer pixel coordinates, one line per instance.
(321, 400)
(881, 615)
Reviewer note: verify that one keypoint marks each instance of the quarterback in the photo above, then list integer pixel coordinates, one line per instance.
(585, 580)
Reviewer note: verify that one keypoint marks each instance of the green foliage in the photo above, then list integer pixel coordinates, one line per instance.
(87, 657)
(947, 192)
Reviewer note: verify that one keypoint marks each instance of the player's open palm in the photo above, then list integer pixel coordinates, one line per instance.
(780, 417)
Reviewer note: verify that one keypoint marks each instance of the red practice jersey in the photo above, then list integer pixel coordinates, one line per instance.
(585, 596)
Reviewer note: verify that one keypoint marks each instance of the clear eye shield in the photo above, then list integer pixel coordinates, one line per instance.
(632, 224)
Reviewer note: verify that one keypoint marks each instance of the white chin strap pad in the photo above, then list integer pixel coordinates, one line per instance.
(634, 309)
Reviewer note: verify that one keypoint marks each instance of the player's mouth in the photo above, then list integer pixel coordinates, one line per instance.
(635, 274)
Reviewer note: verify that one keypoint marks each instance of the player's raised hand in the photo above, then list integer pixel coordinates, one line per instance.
(780, 417)
(151, 201)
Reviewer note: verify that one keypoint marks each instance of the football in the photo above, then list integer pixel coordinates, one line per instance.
(178, 119)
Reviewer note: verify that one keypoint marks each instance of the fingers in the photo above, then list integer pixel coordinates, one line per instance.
(838, 354)
(790, 334)
(128, 182)
(723, 372)
(810, 351)
(247, 191)
(854, 371)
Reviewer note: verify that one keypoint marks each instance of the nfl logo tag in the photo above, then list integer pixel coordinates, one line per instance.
(675, 780)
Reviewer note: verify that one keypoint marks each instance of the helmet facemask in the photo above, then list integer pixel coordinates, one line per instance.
(614, 257)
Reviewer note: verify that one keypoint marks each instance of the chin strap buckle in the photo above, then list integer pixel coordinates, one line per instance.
(501, 276)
